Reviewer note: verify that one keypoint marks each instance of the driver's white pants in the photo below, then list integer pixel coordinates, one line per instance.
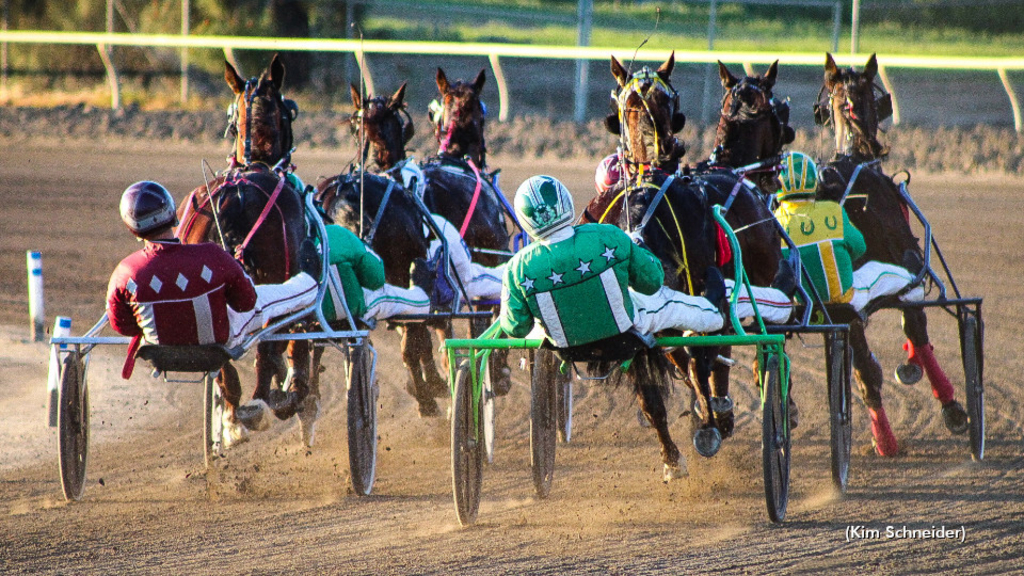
(669, 308)
(877, 279)
(389, 300)
(272, 301)
(481, 282)
(771, 303)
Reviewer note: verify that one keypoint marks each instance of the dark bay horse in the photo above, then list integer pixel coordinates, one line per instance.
(647, 117)
(680, 230)
(461, 190)
(354, 198)
(254, 212)
(753, 125)
(854, 105)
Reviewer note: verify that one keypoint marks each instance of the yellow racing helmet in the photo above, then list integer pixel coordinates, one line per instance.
(799, 177)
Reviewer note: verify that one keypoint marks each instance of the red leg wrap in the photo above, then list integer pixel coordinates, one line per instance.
(924, 357)
(885, 441)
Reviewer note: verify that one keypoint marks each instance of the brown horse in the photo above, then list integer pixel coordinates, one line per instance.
(854, 105)
(255, 213)
(353, 199)
(680, 230)
(461, 190)
(753, 125)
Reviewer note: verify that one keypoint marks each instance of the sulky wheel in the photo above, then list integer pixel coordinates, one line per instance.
(477, 327)
(467, 446)
(544, 383)
(971, 349)
(73, 426)
(362, 418)
(838, 365)
(213, 429)
(775, 440)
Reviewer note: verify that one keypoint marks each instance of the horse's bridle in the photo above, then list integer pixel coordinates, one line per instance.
(357, 120)
(290, 111)
(643, 83)
(823, 113)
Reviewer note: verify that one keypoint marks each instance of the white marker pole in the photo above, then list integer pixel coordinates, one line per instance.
(61, 328)
(35, 295)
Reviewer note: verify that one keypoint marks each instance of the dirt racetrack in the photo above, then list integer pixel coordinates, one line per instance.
(272, 507)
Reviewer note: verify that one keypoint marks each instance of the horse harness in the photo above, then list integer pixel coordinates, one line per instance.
(823, 107)
(237, 178)
(249, 96)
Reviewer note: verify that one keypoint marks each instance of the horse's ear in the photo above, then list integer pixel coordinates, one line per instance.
(728, 80)
(233, 79)
(665, 70)
(611, 122)
(831, 70)
(771, 75)
(276, 69)
(442, 82)
(871, 68)
(619, 72)
(357, 99)
(396, 100)
(478, 84)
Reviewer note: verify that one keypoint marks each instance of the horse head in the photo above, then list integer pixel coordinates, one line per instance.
(261, 117)
(853, 109)
(753, 125)
(379, 125)
(459, 118)
(647, 115)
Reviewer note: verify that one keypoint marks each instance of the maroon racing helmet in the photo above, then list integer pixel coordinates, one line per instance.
(147, 207)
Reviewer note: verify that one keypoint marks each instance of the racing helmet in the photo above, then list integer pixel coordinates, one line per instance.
(799, 177)
(543, 205)
(608, 173)
(147, 207)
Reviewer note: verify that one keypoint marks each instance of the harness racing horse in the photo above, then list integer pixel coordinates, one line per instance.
(376, 207)
(459, 188)
(255, 213)
(854, 105)
(646, 118)
(753, 126)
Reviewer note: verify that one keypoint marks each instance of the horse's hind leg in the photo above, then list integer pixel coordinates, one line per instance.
(649, 393)
(415, 345)
(868, 373)
(920, 353)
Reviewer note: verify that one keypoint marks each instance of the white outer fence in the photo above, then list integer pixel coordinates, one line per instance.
(494, 53)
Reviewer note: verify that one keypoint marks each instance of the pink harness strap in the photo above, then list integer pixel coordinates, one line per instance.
(272, 202)
(472, 203)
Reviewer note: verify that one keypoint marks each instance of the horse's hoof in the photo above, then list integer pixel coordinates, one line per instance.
(284, 405)
(233, 432)
(253, 415)
(437, 387)
(307, 420)
(955, 418)
(707, 441)
(675, 471)
(909, 374)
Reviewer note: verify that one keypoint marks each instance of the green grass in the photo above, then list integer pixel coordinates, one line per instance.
(685, 28)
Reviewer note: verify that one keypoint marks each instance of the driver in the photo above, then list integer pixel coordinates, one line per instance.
(590, 282)
(175, 294)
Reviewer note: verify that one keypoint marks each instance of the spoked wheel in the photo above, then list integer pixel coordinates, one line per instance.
(362, 419)
(544, 383)
(213, 429)
(477, 327)
(73, 426)
(563, 400)
(837, 359)
(467, 447)
(775, 441)
(971, 349)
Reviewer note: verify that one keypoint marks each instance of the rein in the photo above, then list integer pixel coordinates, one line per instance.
(472, 203)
